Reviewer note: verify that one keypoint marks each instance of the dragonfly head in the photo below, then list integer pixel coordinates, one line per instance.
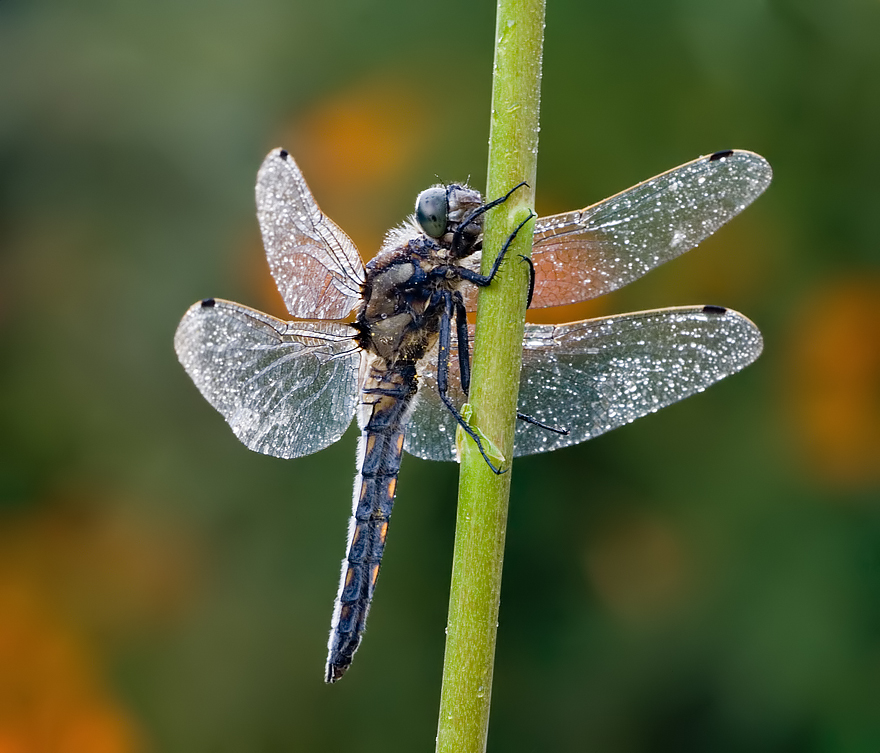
(441, 211)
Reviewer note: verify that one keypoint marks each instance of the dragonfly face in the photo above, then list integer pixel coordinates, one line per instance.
(290, 388)
(407, 284)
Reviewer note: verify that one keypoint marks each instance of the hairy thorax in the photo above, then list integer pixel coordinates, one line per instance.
(399, 320)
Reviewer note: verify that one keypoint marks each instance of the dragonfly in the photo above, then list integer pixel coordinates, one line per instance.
(401, 365)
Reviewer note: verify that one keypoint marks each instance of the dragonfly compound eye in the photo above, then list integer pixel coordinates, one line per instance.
(432, 210)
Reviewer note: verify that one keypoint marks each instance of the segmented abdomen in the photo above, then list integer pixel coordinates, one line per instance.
(385, 407)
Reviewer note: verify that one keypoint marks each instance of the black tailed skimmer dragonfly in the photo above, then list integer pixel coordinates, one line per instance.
(290, 388)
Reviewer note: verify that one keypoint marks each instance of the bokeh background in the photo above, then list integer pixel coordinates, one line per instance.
(706, 579)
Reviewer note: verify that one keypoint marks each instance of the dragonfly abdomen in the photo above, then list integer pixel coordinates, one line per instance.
(386, 403)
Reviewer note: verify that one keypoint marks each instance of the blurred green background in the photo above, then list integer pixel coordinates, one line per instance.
(706, 579)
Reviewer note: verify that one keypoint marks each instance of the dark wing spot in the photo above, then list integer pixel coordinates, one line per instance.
(208, 303)
(714, 310)
(283, 154)
(721, 155)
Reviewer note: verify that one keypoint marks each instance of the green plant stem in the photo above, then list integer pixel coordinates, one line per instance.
(483, 496)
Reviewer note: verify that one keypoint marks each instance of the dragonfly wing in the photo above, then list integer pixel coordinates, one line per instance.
(592, 376)
(316, 266)
(582, 254)
(287, 389)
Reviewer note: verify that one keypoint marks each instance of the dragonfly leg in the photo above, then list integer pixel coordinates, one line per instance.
(459, 231)
(443, 378)
(483, 281)
(540, 424)
(531, 264)
(464, 346)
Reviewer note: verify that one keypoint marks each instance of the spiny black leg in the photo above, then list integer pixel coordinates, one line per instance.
(500, 257)
(531, 264)
(443, 378)
(444, 345)
(464, 346)
(459, 231)
(483, 281)
(541, 424)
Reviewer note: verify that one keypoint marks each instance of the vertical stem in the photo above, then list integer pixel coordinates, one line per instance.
(483, 496)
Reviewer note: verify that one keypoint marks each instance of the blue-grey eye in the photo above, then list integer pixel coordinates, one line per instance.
(431, 210)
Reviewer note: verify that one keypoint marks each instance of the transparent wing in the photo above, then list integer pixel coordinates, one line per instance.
(315, 265)
(582, 254)
(286, 388)
(592, 376)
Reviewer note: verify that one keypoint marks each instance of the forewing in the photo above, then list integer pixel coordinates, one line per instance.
(582, 254)
(286, 388)
(315, 265)
(592, 376)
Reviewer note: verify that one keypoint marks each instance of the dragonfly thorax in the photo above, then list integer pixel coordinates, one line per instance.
(399, 318)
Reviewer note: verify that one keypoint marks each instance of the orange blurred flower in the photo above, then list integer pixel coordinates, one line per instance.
(74, 573)
(833, 382)
(52, 699)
